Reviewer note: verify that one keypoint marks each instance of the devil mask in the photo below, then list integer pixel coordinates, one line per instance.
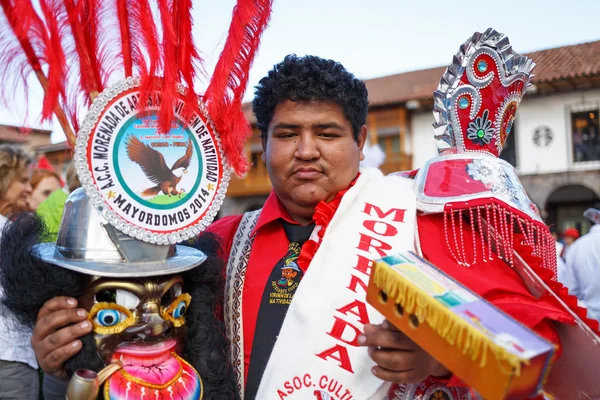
(150, 324)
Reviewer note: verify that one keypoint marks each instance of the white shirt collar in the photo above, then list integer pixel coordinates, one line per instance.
(3, 221)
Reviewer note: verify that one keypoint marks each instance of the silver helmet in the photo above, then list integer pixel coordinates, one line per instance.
(87, 243)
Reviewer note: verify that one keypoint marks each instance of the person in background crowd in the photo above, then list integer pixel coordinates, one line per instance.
(374, 156)
(15, 188)
(570, 235)
(43, 182)
(18, 366)
(583, 265)
(51, 209)
(72, 178)
(559, 244)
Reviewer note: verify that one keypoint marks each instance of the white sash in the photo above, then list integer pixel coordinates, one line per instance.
(316, 356)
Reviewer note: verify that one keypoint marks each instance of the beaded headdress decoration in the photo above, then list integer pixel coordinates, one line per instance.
(474, 110)
(477, 98)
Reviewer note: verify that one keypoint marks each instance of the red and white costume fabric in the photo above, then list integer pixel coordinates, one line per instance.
(335, 347)
(466, 212)
(475, 220)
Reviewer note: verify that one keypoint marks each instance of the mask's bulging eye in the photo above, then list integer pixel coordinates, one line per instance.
(108, 317)
(175, 312)
(180, 310)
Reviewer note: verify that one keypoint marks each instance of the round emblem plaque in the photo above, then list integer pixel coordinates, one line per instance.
(157, 187)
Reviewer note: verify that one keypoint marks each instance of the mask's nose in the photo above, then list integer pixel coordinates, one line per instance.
(149, 324)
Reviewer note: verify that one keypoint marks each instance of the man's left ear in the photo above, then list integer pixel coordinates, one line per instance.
(263, 141)
(361, 141)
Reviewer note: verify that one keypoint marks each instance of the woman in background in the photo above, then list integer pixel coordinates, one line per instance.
(52, 207)
(44, 183)
(18, 367)
(570, 235)
(15, 187)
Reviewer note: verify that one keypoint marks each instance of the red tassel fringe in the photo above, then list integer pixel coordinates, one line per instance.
(509, 231)
(546, 274)
(498, 238)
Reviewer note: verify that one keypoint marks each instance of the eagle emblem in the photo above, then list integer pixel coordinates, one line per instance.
(155, 168)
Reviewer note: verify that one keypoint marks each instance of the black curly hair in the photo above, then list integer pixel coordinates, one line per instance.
(310, 78)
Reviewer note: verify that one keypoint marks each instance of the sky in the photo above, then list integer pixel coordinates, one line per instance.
(372, 38)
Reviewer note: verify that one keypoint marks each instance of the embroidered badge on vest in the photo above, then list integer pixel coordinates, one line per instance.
(282, 290)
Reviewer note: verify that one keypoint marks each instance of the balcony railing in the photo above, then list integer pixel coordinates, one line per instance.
(396, 163)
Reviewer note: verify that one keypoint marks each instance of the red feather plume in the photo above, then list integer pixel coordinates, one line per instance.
(24, 46)
(187, 55)
(55, 58)
(83, 45)
(126, 50)
(22, 41)
(170, 72)
(145, 34)
(228, 85)
(81, 25)
(90, 20)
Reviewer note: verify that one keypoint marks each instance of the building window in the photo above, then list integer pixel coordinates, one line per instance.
(389, 141)
(389, 144)
(509, 152)
(585, 135)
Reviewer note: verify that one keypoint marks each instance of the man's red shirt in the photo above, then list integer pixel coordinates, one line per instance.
(270, 244)
(493, 280)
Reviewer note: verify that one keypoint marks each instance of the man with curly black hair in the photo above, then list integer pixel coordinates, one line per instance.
(311, 113)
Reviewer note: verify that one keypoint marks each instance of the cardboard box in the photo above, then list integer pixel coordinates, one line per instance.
(487, 349)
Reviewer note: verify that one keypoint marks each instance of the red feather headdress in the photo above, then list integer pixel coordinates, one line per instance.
(77, 47)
